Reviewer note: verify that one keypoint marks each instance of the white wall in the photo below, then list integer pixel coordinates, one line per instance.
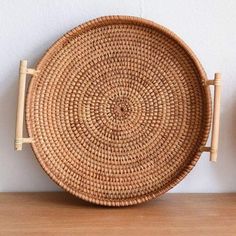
(29, 27)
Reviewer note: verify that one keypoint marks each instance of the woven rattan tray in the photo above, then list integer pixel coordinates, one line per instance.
(118, 110)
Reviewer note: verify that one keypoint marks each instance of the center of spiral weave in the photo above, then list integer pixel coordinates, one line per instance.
(121, 109)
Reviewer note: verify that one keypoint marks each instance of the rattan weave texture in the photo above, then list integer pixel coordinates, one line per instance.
(118, 111)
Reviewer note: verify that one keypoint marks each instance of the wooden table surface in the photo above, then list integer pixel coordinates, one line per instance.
(171, 214)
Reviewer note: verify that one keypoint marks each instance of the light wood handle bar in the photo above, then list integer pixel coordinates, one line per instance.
(19, 140)
(216, 118)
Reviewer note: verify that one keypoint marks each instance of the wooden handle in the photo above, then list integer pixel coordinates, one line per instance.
(19, 140)
(216, 118)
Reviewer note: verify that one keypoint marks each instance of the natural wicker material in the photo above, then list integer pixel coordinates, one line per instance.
(119, 111)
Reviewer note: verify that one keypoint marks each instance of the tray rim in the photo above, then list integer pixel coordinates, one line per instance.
(208, 106)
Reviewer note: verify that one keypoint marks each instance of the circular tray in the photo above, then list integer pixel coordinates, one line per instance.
(118, 111)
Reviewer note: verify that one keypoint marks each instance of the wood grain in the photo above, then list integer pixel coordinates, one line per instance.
(63, 214)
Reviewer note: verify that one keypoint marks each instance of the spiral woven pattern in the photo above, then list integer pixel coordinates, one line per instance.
(119, 111)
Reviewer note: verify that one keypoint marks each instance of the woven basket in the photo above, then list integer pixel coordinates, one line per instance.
(118, 110)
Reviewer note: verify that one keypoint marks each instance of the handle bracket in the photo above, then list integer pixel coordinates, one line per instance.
(23, 72)
(213, 149)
